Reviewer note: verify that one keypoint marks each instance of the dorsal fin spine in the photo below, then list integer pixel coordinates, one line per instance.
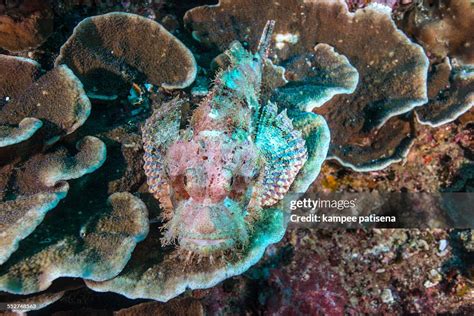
(266, 39)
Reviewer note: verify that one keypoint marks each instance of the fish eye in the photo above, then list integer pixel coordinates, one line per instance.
(256, 174)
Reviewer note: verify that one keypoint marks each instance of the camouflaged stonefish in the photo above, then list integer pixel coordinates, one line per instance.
(238, 158)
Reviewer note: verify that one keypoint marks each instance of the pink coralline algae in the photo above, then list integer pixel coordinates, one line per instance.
(317, 299)
(314, 289)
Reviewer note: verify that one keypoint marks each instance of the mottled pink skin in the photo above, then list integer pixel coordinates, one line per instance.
(202, 181)
(207, 165)
(210, 177)
(226, 120)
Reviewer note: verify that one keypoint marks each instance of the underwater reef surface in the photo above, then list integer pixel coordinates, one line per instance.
(103, 104)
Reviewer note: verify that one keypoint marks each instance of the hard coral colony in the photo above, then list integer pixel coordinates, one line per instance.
(179, 186)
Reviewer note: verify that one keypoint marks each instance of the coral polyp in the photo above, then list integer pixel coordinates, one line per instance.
(237, 157)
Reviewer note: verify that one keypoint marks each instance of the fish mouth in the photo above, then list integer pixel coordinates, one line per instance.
(205, 242)
(206, 246)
